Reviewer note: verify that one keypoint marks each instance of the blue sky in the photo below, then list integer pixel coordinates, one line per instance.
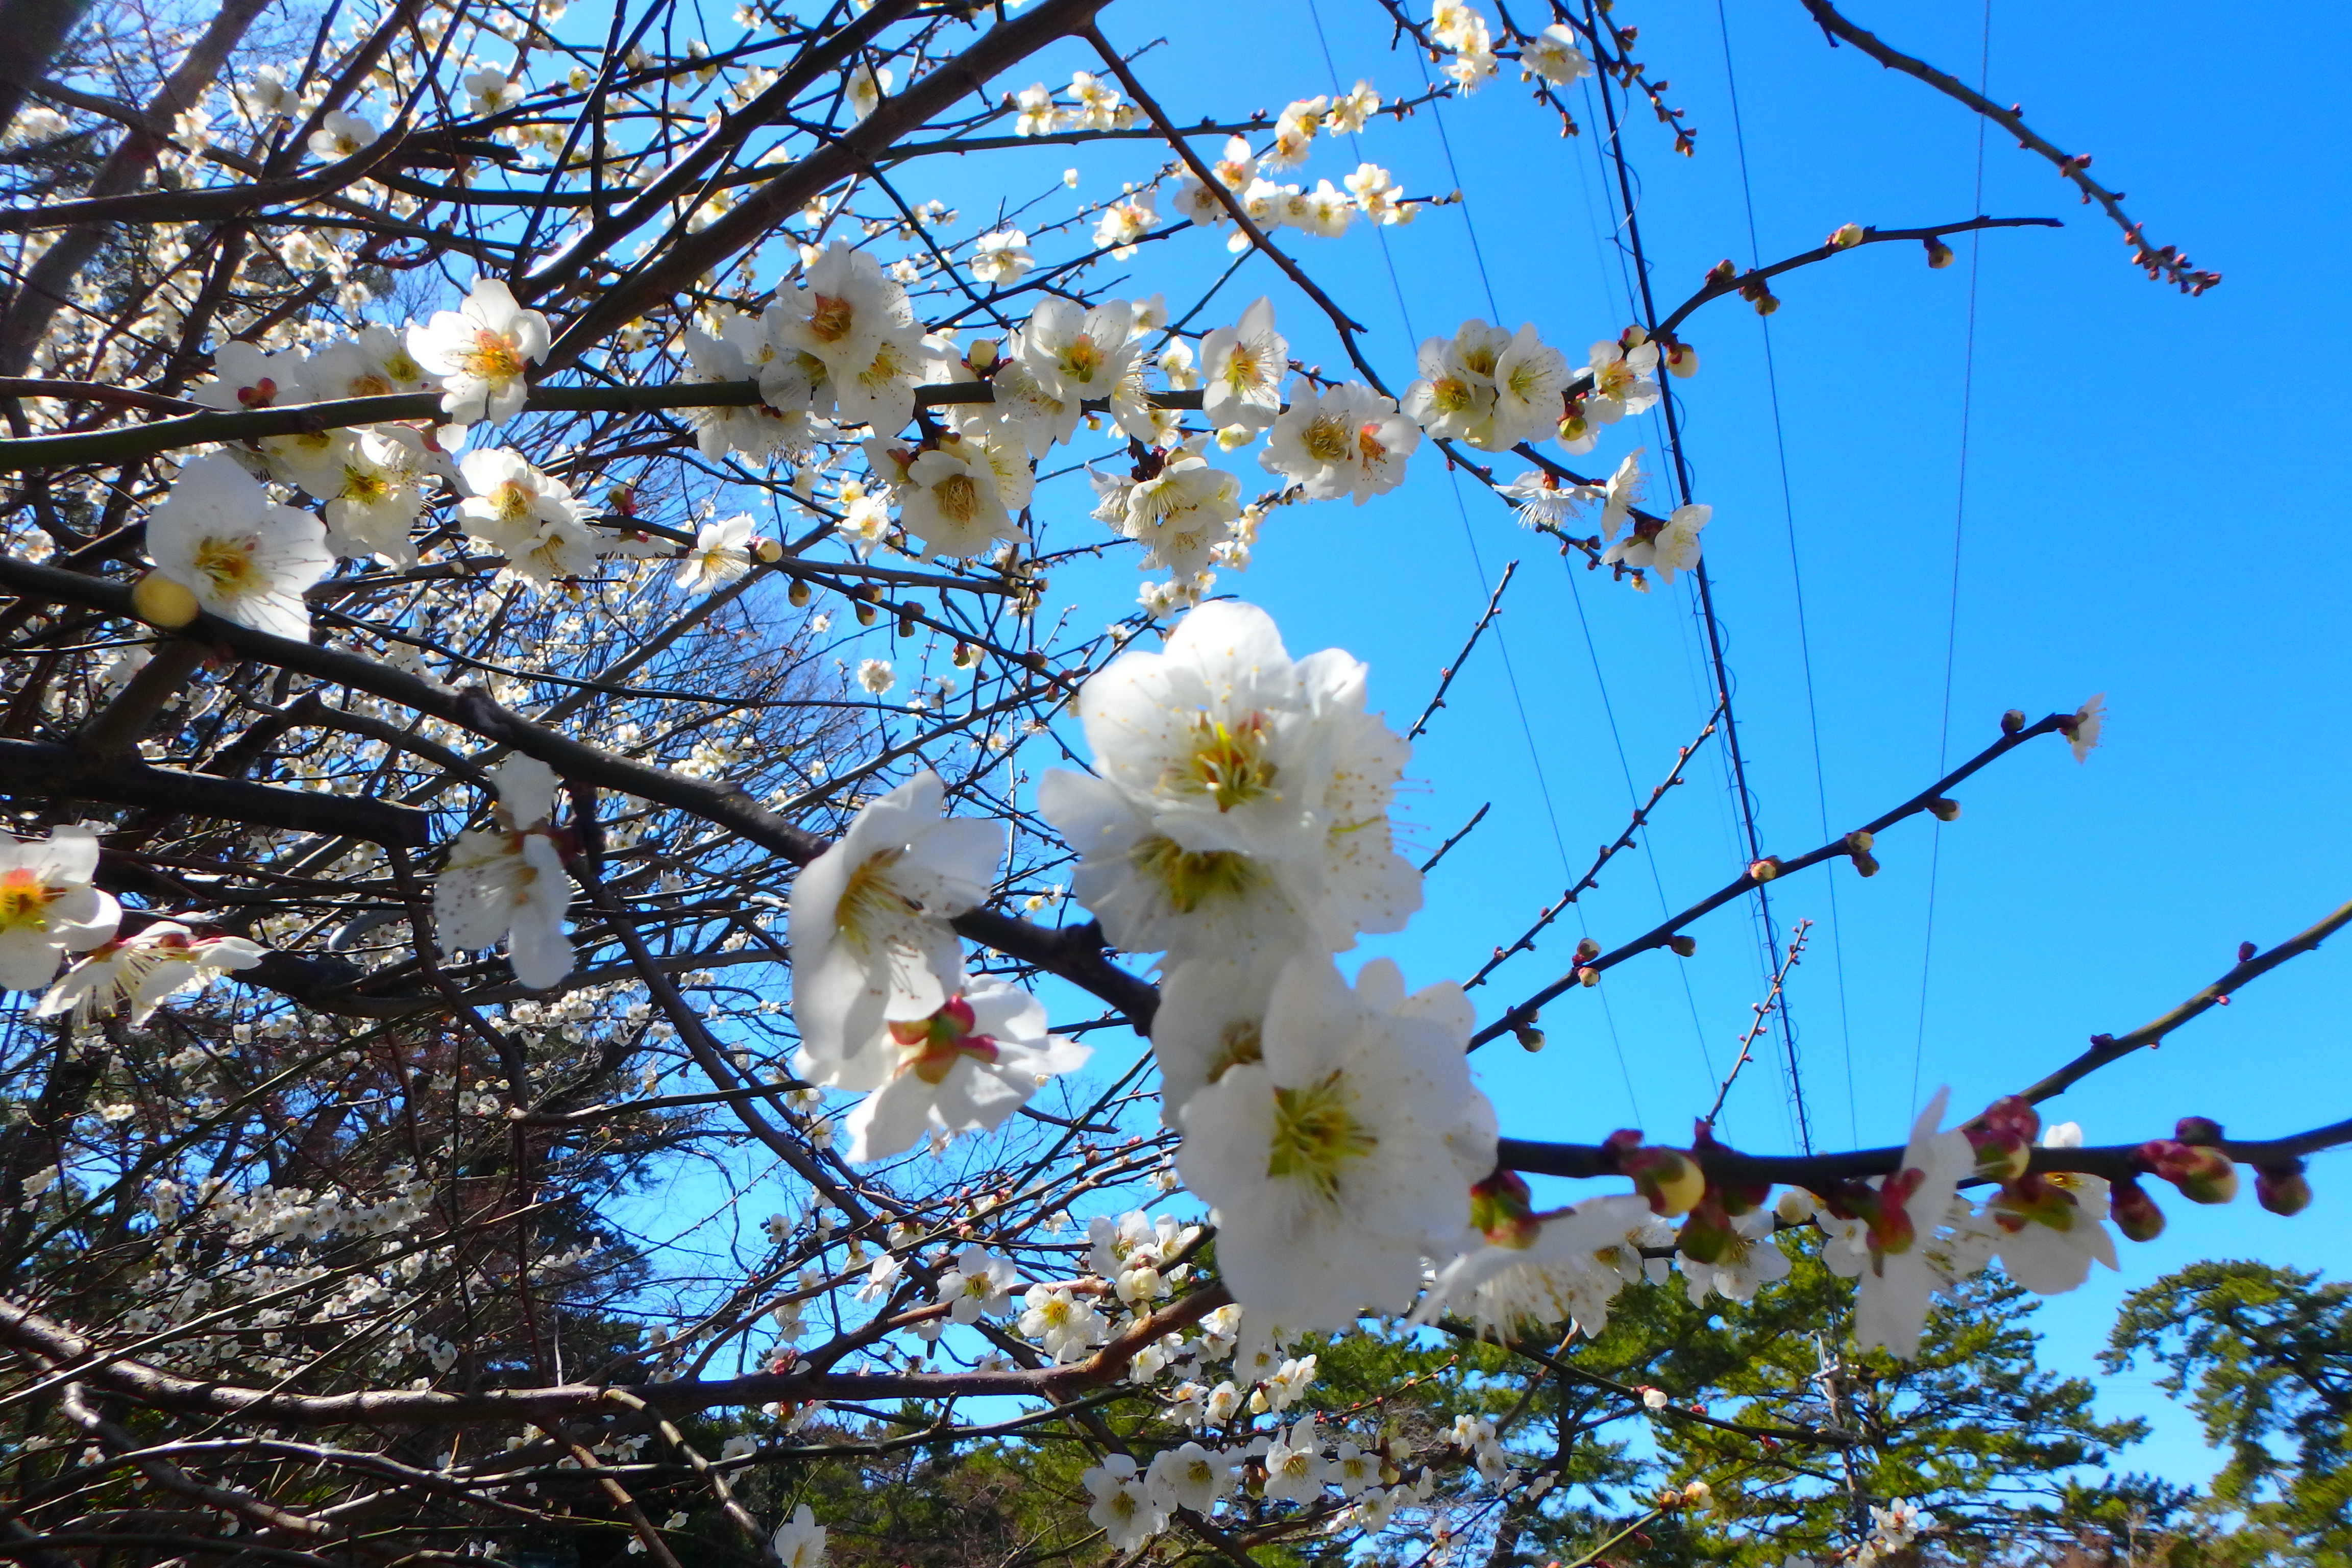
(2149, 513)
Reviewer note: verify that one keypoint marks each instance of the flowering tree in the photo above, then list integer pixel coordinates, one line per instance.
(469, 463)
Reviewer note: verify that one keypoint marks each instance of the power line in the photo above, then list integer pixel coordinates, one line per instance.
(1959, 517)
(1745, 795)
(1797, 575)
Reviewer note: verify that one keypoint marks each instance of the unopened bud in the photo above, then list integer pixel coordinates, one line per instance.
(1705, 1234)
(2134, 1212)
(1502, 1208)
(798, 593)
(1671, 1181)
(1944, 809)
(2204, 1175)
(1722, 271)
(1764, 871)
(1683, 946)
(1587, 949)
(1766, 302)
(1865, 865)
(1861, 841)
(161, 602)
(1633, 337)
(1846, 237)
(769, 551)
(2282, 1189)
(983, 356)
(1588, 976)
(2197, 1130)
(965, 656)
(1698, 1494)
(865, 614)
(1939, 255)
(2246, 951)
(905, 625)
(1794, 1207)
(1531, 1040)
(1682, 360)
(2012, 721)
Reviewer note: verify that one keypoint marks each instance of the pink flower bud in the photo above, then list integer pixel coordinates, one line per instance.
(2283, 1189)
(2135, 1213)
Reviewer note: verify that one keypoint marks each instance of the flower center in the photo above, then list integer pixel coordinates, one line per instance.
(228, 565)
(512, 501)
(831, 320)
(364, 485)
(493, 357)
(1239, 1042)
(1325, 439)
(958, 497)
(1228, 763)
(870, 907)
(1317, 1135)
(1190, 879)
(369, 386)
(23, 898)
(1244, 370)
(1082, 360)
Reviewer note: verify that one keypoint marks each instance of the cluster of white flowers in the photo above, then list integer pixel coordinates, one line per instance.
(50, 909)
(885, 1007)
(507, 882)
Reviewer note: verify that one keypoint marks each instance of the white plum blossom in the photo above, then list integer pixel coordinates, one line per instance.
(1122, 1507)
(1000, 257)
(964, 1068)
(2048, 1234)
(1241, 793)
(480, 352)
(1553, 55)
(1187, 1477)
(1673, 546)
(980, 1283)
(1896, 1271)
(1346, 440)
(1326, 1162)
(139, 971)
(1063, 1323)
(800, 1540)
(341, 135)
(1622, 493)
(509, 881)
(243, 557)
(375, 491)
(1625, 380)
(48, 906)
(1242, 368)
(1749, 1259)
(1557, 1273)
(876, 676)
(721, 554)
(948, 494)
(871, 942)
(525, 515)
(2089, 719)
(1294, 1463)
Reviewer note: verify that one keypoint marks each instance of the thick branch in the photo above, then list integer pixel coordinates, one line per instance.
(28, 768)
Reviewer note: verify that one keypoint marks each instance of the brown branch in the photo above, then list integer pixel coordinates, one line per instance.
(1591, 878)
(45, 1340)
(1717, 287)
(2166, 263)
(1763, 1013)
(1445, 675)
(1823, 1173)
(2106, 1048)
(1665, 932)
(32, 768)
